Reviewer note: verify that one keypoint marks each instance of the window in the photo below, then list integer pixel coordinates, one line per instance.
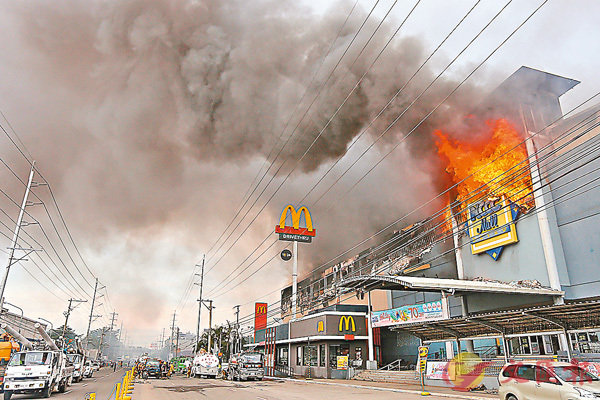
(526, 372)
(283, 356)
(573, 373)
(322, 355)
(542, 375)
(310, 356)
(509, 372)
(299, 355)
(337, 350)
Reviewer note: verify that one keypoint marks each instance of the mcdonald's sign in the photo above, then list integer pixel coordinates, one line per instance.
(347, 322)
(294, 232)
(260, 316)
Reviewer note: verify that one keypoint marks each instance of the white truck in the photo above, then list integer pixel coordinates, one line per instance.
(205, 364)
(78, 362)
(38, 371)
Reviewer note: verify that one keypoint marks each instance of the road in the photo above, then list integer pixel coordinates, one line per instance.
(102, 383)
(179, 388)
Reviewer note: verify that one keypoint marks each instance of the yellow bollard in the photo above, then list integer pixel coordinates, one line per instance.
(118, 392)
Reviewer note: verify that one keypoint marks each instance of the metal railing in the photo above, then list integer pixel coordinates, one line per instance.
(393, 366)
(285, 370)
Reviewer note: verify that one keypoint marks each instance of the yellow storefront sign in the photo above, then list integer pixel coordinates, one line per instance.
(491, 226)
(342, 362)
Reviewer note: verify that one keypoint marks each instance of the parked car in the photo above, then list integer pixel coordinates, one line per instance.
(95, 366)
(88, 369)
(547, 380)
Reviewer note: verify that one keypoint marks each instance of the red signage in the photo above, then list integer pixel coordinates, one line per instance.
(348, 337)
(260, 316)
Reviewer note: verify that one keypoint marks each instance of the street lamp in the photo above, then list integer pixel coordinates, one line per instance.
(45, 320)
(20, 309)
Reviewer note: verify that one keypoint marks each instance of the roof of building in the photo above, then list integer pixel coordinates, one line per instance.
(415, 283)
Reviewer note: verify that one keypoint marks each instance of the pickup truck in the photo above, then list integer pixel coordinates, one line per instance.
(37, 372)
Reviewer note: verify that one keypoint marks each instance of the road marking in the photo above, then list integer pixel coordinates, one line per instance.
(85, 384)
(68, 391)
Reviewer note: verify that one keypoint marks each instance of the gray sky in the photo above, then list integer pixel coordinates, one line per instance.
(147, 179)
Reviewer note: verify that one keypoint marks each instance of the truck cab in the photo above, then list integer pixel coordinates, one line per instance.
(37, 372)
(78, 362)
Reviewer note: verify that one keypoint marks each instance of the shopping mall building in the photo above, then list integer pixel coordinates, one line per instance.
(505, 274)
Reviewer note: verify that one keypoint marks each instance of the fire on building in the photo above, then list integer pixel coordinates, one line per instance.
(506, 269)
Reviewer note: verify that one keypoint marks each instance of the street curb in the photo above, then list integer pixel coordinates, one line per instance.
(448, 395)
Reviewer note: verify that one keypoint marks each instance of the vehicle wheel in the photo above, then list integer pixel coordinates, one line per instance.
(62, 387)
(7, 394)
(46, 392)
(511, 397)
(145, 375)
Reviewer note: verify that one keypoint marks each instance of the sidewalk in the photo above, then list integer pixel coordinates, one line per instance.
(392, 387)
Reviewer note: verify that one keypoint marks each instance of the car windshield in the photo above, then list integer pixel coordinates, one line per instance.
(152, 363)
(573, 373)
(252, 358)
(74, 358)
(31, 358)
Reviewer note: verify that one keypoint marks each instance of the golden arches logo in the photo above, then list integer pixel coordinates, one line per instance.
(320, 326)
(295, 228)
(261, 310)
(347, 322)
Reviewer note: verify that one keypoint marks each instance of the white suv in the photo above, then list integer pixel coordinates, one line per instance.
(547, 380)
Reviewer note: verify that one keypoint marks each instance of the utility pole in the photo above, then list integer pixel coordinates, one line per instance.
(67, 314)
(210, 308)
(15, 238)
(237, 328)
(199, 304)
(177, 344)
(112, 320)
(172, 332)
(87, 341)
(100, 344)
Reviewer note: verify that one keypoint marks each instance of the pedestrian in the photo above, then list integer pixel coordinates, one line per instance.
(114, 366)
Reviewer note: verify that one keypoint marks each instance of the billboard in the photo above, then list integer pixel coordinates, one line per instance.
(431, 311)
(260, 316)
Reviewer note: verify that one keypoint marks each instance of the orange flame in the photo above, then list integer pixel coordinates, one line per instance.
(482, 169)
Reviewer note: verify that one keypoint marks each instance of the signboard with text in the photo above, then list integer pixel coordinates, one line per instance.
(431, 311)
(342, 362)
(293, 231)
(491, 226)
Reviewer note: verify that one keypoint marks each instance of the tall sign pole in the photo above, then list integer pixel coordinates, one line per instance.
(295, 233)
(295, 280)
(15, 237)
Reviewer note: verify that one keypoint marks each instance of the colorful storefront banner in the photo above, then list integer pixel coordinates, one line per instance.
(432, 311)
(437, 370)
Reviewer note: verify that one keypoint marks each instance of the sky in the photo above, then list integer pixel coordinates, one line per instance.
(151, 120)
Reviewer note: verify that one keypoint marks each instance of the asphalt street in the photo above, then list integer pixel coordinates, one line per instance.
(179, 388)
(102, 383)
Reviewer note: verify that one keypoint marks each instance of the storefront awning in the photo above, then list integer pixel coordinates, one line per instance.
(455, 286)
(571, 316)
